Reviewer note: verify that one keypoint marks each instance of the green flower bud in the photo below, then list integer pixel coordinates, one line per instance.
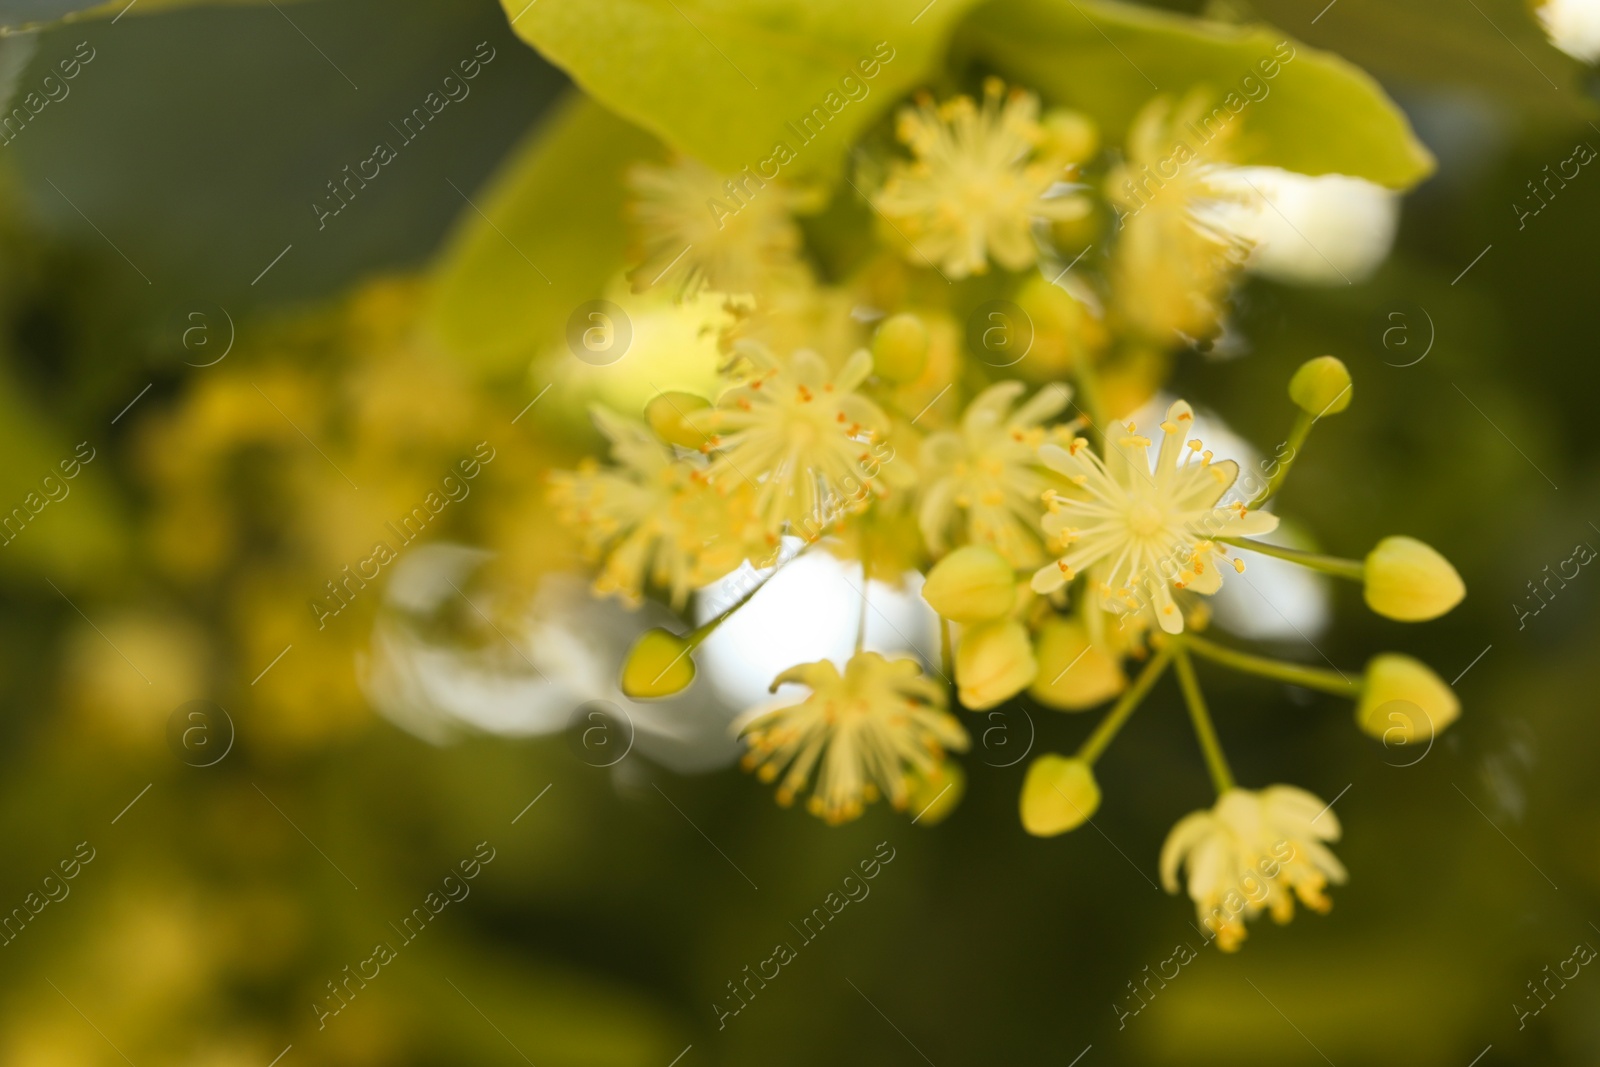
(972, 584)
(1059, 794)
(1403, 702)
(994, 662)
(1321, 386)
(1409, 581)
(668, 415)
(658, 666)
(1070, 134)
(900, 348)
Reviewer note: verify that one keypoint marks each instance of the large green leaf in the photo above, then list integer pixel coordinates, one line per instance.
(546, 237)
(1319, 114)
(720, 79)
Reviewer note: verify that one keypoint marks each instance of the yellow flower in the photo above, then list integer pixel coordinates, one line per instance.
(1254, 851)
(733, 235)
(801, 437)
(1141, 534)
(1407, 580)
(653, 517)
(989, 474)
(1059, 794)
(880, 728)
(979, 180)
(1175, 257)
(994, 662)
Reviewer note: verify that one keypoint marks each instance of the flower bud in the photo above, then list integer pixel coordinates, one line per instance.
(1073, 673)
(1403, 702)
(972, 584)
(935, 794)
(668, 415)
(1059, 794)
(1409, 581)
(1321, 386)
(994, 662)
(658, 666)
(900, 348)
(1070, 134)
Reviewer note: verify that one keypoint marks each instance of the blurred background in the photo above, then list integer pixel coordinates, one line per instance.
(238, 382)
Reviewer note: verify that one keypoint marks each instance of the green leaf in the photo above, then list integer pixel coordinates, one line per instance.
(720, 79)
(1318, 115)
(550, 234)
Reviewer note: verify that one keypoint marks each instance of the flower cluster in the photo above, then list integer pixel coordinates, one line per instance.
(1067, 550)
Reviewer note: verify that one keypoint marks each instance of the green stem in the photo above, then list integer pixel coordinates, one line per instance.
(1293, 673)
(1297, 439)
(1352, 569)
(1216, 762)
(1107, 730)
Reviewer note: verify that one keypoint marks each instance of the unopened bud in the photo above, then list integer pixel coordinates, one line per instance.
(972, 584)
(1407, 580)
(900, 348)
(1403, 702)
(1059, 794)
(1321, 386)
(668, 415)
(658, 666)
(994, 662)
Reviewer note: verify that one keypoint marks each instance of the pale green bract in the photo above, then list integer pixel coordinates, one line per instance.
(719, 79)
(1319, 114)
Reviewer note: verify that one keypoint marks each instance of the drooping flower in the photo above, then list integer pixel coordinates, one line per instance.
(1141, 534)
(800, 437)
(978, 182)
(1254, 851)
(987, 482)
(733, 235)
(652, 517)
(865, 733)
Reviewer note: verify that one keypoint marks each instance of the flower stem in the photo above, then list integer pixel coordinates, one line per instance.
(1337, 566)
(1292, 673)
(1107, 730)
(1297, 439)
(1216, 762)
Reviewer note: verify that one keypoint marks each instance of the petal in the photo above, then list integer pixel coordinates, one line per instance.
(1189, 831)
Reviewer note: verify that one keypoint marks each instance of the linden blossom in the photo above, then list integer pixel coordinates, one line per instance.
(419, 517)
(738, 187)
(1253, 89)
(384, 153)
